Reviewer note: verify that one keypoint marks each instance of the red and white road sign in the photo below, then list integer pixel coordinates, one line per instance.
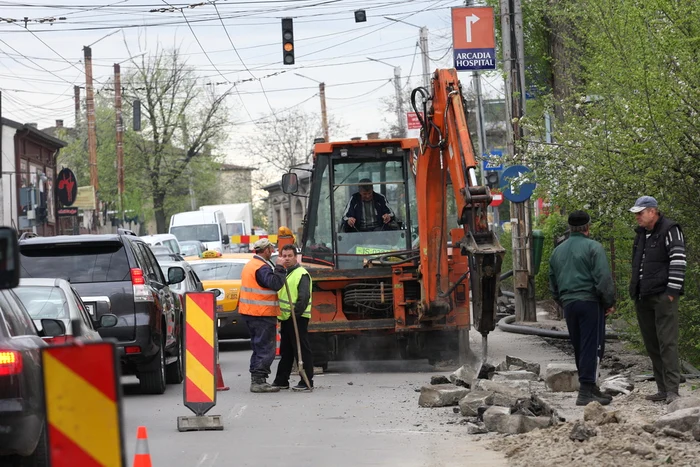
(497, 199)
(473, 36)
(412, 120)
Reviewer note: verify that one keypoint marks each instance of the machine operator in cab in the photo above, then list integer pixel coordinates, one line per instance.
(368, 211)
(259, 307)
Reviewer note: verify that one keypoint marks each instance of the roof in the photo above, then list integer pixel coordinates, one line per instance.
(45, 137)
(227, 167)
(41, 281)
(238, 257)
(86, 238)
(55, 130)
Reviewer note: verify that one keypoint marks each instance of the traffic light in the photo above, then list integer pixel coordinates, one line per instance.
(492, 179)
(287, 41)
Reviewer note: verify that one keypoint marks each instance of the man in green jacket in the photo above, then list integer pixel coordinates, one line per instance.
(581, 282)
(297, 301)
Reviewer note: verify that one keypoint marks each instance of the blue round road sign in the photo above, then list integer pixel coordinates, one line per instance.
(514, 189)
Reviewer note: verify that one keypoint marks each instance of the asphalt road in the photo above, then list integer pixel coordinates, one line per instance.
(358, 415)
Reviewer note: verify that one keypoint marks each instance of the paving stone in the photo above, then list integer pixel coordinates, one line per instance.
(441, 395)
(519, 363)
(561, 377)
(515, 375)
(681, 420)
(506, 393)
(683, 403)
(469, 404)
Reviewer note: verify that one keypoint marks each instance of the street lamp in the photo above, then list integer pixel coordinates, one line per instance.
(324, 115)
(399, 98)
(423, 44)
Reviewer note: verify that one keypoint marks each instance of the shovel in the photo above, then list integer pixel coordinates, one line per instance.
(300, 362)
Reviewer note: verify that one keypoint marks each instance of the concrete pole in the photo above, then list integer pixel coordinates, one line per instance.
(399, 102)
(91, 129)
(324, 114)
(423, 42)
(120, 137)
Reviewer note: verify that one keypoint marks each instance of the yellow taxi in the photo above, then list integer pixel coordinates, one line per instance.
(222, 272)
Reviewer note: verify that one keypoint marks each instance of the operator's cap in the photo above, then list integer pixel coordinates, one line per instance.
(579, 218)
(261, 244)
(644, 202)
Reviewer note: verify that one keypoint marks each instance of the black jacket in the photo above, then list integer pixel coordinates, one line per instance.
(354, 208)
(655, 271)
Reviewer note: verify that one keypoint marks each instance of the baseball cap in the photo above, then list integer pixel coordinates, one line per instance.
(644, 202)
(261, 244)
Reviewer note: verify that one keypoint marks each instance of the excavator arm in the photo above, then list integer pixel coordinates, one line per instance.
(447, 150)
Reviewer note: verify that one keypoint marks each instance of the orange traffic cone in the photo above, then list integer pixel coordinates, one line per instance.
(279, 340)
(142, 458)
(220, 379)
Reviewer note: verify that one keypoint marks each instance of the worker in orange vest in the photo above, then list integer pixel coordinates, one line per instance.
(259, 307)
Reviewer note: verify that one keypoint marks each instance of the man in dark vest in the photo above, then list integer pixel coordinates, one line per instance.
(368, 211)
(658, 273)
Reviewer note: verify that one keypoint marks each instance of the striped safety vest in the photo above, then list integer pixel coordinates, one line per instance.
(255, 300)
(287, 303)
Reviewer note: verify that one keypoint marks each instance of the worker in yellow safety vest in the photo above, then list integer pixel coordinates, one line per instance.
(259, 307)
(296, 300)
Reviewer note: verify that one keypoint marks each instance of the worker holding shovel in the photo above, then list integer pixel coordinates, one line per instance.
(295, 302)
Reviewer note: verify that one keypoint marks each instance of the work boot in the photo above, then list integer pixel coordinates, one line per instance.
(258, 384)
(671, 396)
(586, 396)
(596, 392)
(658, 397)
(301, 386)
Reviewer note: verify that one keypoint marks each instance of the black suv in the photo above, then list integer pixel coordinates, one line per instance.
(117, 273)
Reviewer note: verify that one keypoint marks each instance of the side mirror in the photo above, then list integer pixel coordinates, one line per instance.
(9, 258)
(108, 321)
(290, 183)
(225, 240)
(52, 327)
(175, 275)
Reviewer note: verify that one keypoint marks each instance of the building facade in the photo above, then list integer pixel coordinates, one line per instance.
(28, 160)
(236, 184)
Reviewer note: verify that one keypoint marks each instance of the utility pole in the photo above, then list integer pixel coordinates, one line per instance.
(521, 220)
(91, 130)
(324, 114)
(423, 43)
(120, 137)
(399, 101)
(76, 98)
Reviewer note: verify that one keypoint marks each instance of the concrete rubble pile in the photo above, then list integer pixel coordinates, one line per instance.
(503, 399)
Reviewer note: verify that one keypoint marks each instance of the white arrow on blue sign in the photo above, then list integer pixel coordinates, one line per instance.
(493, 160)
(515, 186)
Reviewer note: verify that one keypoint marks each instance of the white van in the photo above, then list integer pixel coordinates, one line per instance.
(206, 227)
(167, 240)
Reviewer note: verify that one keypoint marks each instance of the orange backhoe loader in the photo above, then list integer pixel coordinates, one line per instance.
(388, 271)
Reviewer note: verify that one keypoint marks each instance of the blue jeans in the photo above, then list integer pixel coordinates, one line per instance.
(263, 330)
(583, 320)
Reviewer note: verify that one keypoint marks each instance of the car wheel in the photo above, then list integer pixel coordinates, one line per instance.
(152, 376)
(174, 373)
(40, 456)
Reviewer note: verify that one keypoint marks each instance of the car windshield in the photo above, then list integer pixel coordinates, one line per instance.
(77, 263)
(43, 301)
(218, 270)
(203, 232)
(190, 249)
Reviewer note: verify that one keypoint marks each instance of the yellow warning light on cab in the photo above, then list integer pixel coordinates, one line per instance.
(211, 254)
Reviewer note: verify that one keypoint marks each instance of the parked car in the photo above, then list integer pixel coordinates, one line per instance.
(192, 248)
(164, 254)
(222, 273)
(167, 240)
(118, 274)
(56, 299)
(190, 284)
(22, 414)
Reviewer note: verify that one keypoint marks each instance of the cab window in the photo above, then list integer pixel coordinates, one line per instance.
(319, 242)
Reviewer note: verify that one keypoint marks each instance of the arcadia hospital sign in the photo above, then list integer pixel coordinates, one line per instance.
(473, 38)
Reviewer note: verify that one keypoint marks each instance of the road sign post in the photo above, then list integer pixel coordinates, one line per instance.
(473, 38)
(82, 396)
(199, 393)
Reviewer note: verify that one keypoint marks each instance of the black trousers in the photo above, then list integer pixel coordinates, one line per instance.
(658, 323)
(583, 320)
(288, 351)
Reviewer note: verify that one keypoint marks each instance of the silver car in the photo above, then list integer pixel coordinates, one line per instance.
(57, 299)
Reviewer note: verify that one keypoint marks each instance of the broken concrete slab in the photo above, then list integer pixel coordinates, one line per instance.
(441, 395)
(683, 403)
(487, 370)
(476, 428)
(467, 374)
(681, 420)
(562, 377)
(506, 393)
(519, 363)
(596, 413)
(439, 379)
(499, 419)
(495, 419)
(515, 375)
(535, 423)
(581, 432)
(469, 404)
